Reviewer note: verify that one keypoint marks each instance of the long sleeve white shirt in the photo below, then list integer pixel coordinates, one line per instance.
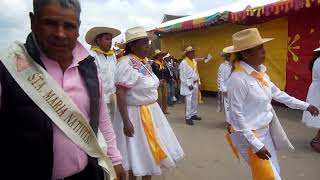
(187, 76)
(224, 75)
(250, 103)
(107, 68)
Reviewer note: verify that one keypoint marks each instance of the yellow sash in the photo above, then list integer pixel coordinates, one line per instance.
(260, 169)
(100, 51)
(256, 75)
(157, 152)
(192, 64)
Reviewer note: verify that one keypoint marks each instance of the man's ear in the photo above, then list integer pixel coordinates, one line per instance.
(32, 20)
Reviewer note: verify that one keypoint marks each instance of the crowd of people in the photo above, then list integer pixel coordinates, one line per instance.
(76, 114)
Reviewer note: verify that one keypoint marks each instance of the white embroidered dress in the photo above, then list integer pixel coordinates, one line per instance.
(313, 96)
(143, 85)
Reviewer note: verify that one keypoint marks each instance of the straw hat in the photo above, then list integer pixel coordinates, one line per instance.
(157, 52)
(94, 32)
(188, 49)
(135, 33)
(246, 39)
(222, 54)
(318, 49)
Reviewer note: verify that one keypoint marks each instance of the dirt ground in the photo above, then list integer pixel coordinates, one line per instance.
(208, 156)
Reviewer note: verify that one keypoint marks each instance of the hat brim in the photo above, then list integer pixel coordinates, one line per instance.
(94, 32)
(156, 55)
(191, 50)
(318, 49)
(136, 38)
(231, 49)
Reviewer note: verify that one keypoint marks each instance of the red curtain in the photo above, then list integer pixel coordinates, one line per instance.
(304, 37)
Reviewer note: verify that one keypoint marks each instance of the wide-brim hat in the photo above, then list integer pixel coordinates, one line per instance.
(94, 32)
(135, 33)
(318, 49)
(188, 49)
(222, 54)
(246, 39)
(157, 53)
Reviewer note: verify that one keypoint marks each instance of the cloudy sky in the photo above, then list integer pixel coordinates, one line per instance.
(122, 14)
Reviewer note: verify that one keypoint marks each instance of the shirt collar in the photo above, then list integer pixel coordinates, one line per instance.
(250, 69)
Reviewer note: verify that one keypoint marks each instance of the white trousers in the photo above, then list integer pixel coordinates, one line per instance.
(265, 137)
(192, 102)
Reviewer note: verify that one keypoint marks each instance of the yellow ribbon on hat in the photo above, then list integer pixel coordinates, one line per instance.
(100, 51)
(149, 130)
(256, 75)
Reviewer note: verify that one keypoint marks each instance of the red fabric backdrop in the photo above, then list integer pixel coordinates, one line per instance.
(304, 37)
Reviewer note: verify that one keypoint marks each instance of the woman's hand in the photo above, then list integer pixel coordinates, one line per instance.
(314, 111)
(263, 153)
(128, 129)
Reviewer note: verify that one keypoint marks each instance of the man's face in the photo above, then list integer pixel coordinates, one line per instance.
(56, 30)
(105, 42)
(190, 54)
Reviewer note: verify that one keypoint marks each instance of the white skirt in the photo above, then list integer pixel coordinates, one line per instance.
(314, 99)
(135, 151)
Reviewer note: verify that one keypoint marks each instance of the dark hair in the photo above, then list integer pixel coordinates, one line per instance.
(128, 50)
(74, 4)
(316, 55)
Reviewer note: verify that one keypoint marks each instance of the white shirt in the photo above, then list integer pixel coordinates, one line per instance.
(187, 76)
(224, 75)
(107, 68)
(250, 103)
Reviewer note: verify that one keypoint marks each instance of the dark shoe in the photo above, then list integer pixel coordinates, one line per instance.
(189, 122)
(195, 117)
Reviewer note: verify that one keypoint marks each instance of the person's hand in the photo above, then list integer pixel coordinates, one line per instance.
(120, 172)
(314, 111)
(263, 153)
(162, 81)
(190, 87)
(128, 129)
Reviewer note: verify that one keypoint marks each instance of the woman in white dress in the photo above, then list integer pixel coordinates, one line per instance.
(255, 127)
(314, 98)
(144, 136)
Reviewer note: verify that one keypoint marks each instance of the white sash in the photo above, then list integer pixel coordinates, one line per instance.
(51, 99)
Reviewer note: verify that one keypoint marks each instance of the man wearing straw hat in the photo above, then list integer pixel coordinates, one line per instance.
(160, 69)
(189, 88)
(100, 39)
(256, 131)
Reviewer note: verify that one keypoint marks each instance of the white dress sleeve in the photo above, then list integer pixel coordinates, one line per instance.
(237, 94)
(126, 75)
(284, 98)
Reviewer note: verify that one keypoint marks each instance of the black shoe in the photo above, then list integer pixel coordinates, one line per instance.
(189, 122)
(195, 117)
